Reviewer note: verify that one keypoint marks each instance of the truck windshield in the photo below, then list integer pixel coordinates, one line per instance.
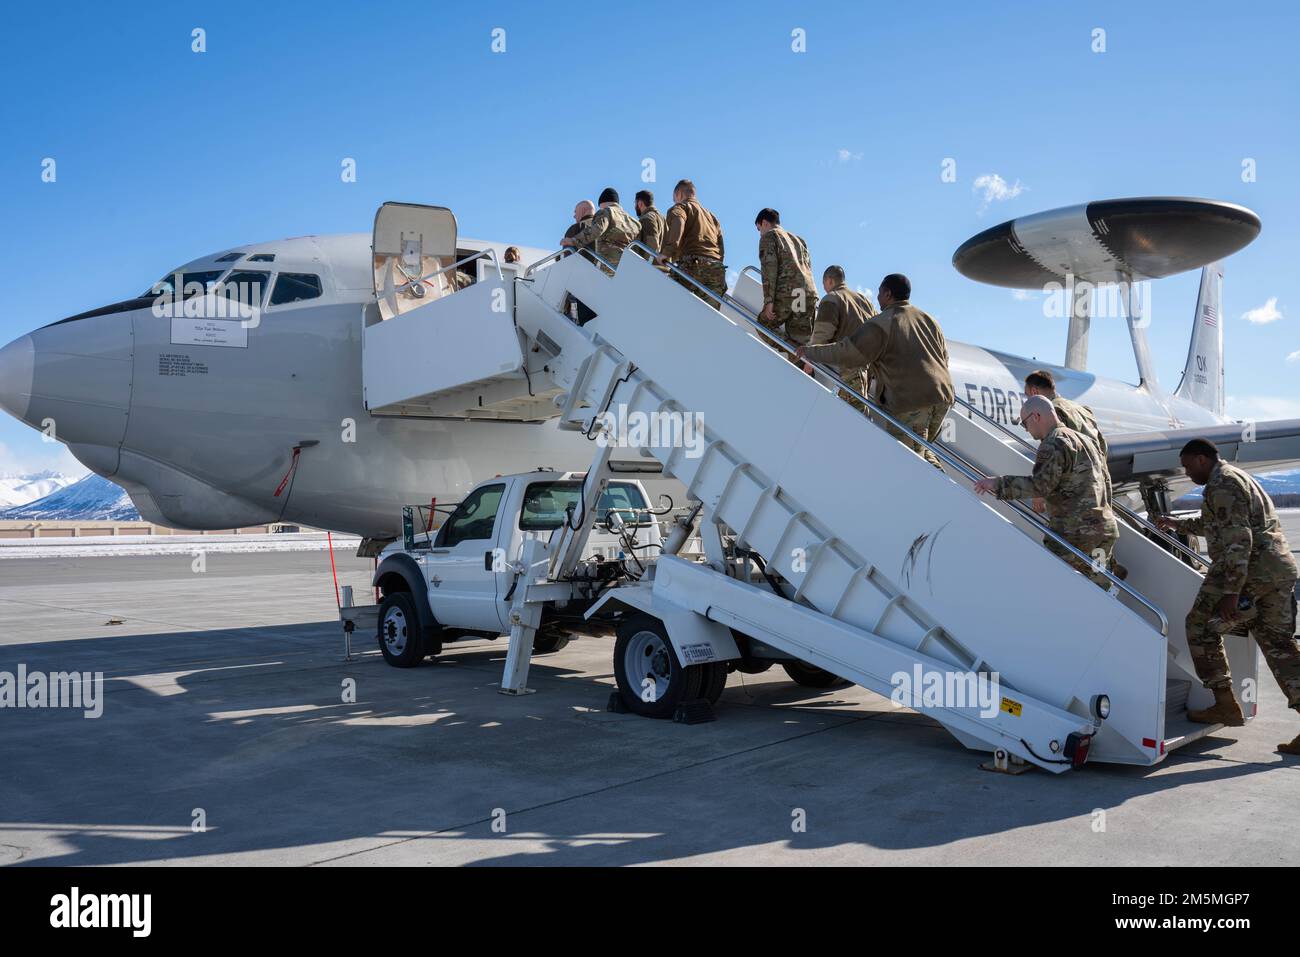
(473, 519)
(545, 504)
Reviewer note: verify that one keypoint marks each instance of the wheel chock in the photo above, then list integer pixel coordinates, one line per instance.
(698, 711)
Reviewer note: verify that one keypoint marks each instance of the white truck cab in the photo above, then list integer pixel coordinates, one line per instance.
(455, 581)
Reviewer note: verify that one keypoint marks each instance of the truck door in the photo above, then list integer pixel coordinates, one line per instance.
(462, 588)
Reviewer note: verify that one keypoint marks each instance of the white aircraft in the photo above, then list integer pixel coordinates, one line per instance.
(215, 420)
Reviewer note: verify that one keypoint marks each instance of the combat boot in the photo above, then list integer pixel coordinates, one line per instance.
(1225, 710)
(1290, 747)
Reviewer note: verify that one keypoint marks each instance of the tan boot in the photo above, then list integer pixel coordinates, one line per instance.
(1225, 710)
(1292, 746)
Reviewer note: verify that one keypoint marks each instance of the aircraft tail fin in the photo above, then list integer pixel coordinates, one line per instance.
(1202, 380)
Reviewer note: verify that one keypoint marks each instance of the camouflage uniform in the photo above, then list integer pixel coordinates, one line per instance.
(788, 284)
(652, 229)
(693, 243)
(574, 308)
(1250, 557)
(1069, 475)
(840, 313)
(578, 227)
(1079, 418)
(608, 232)
(908, 358)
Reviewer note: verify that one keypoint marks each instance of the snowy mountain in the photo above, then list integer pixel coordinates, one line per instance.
(21, 489)
(94, 498)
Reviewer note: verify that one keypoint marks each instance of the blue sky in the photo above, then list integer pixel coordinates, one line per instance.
(165, 154)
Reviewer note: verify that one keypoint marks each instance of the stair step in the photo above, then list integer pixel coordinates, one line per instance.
(1176, 692)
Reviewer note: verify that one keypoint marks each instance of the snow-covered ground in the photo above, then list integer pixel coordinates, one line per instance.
(124, 546)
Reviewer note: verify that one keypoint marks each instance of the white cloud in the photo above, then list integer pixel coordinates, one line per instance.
(996, 189)
(1262, 315)
(1261, 408)
(54, 455)
(1294, 356)
(1021, 295)
(847, 156)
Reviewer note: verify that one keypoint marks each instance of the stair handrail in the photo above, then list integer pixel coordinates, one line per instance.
(960, 464)
(482, 254)
(565, 251)
(1128, 513)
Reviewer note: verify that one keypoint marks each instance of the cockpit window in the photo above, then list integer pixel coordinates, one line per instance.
(262, 258)
(230, 258)
(245, 286)
(192, 284)
(294, 287)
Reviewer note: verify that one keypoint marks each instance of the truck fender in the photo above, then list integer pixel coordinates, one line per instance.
(405, 567)
(695, 639)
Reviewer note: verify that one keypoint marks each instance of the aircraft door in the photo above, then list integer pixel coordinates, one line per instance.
(411, 243)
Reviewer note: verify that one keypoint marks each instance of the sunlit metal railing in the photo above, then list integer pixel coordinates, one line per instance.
(1132, 517)
(953, 459)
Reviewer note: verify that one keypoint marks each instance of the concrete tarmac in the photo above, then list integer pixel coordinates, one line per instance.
(227, 736)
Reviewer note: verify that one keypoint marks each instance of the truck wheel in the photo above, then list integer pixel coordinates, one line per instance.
(810, 676)
(714, 681)
(549, 643)
(650, 680)
(400, 639)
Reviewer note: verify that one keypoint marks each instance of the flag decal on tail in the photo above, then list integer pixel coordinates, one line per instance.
(1202, 380)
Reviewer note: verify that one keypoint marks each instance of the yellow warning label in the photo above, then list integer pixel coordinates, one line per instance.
(1011, 707)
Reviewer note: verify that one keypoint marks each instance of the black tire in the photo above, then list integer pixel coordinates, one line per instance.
(549, 643)
(714, 681)
(752, 666)
(400, 635)
(810, 676)
(642, 652)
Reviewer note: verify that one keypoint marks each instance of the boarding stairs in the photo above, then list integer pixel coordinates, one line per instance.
(894, 568)
(1166, 572)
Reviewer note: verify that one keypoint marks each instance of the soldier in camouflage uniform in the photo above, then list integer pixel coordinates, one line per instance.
(840, 313)
(693, 242)
(1069, 475)
(908, 356)
(607, 232)
(652, 221)
(583, 213)
(1073, 415)
(789, 296)
(1078, 418)
(1251, 560)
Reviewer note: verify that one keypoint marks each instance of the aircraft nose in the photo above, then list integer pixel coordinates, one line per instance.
(72, 380)
(17, 365)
